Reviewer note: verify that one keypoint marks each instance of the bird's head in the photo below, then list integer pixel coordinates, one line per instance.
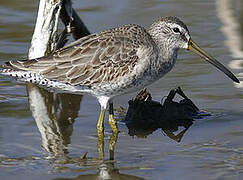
(170, 33)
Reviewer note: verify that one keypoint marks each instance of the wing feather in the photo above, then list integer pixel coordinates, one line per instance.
(96, 58)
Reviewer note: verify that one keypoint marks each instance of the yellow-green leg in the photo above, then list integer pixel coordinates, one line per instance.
(112, 120)
(100, 123)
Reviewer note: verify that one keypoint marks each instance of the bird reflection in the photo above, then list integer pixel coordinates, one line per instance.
(106, 169)
(144, 115)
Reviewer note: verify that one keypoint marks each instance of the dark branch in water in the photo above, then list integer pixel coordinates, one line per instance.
(74, 25)
(144, 115)
(72, 21)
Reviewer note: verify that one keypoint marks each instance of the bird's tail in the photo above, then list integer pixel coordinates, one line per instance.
(17, 69)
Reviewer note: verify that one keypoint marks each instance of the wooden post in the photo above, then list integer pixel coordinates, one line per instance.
(44, 37)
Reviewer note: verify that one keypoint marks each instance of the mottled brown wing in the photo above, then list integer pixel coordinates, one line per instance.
(93, 59)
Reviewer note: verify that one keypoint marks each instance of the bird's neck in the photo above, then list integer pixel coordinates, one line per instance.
(166, 60)
(166, 46)
(167, 54)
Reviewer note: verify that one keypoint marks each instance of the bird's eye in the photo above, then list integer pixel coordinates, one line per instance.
(176, 30)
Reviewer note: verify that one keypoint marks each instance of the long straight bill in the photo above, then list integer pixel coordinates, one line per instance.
(196, 49)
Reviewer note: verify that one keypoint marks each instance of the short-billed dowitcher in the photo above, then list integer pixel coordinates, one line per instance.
(112, 62)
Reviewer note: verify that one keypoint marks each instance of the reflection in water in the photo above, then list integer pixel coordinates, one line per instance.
(231, 29)
(144, 115)
(54, 115)
(106, 168)
(114, 174)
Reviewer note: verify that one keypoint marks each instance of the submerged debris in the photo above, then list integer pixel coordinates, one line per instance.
(145, 115)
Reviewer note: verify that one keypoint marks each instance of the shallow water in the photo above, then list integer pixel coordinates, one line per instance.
(34, 147)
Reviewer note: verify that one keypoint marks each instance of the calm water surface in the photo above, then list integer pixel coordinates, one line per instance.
(47, 140)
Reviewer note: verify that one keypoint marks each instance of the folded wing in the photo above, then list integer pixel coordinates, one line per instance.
(96, 58)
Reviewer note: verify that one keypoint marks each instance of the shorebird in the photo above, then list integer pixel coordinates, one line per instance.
(111, 63)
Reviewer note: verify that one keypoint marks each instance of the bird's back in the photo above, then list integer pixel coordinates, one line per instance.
(95, 59)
